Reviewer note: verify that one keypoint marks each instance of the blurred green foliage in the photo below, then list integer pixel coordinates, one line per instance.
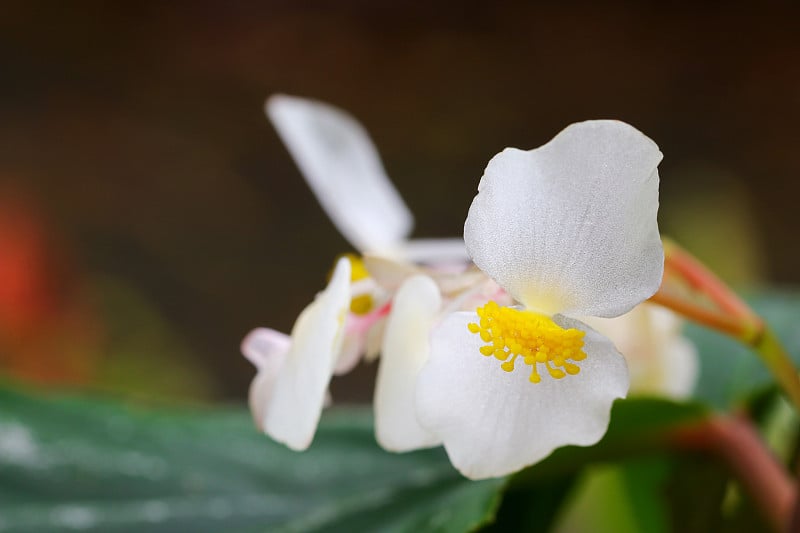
(102, 465)
(98, 465)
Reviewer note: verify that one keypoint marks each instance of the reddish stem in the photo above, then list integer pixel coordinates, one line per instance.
(737, 442)
(701, 315)
(702, 279)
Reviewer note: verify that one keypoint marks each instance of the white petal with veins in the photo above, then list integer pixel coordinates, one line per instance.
(570, 227)
(493, 422)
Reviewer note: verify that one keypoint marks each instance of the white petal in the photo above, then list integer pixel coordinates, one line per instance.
(391, 273)
(493, 422)
(258, 397)
(388, 272)
(350, 354)
(405, 350)
(681, 369)
(359, 339)
(266, 348)
(477, 295)
(343, 169)
(374, 340)
(677, 368)
(571, 227)
(436, 251)
(660, 360)
(299, 391)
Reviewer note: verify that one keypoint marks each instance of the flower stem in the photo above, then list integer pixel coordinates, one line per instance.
(737, 442)
(730, 315)
(707, 317)
(779, 363)
(699, 277)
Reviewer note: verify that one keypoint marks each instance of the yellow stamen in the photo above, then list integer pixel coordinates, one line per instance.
(358, 269)
(362, 304)
(511, 333)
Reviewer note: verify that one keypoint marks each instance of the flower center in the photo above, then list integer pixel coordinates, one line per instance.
(510, 334)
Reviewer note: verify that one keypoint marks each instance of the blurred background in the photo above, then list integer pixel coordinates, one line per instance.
(150, 216)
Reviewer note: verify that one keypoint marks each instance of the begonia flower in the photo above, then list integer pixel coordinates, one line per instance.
(343, 169)
(568, 230)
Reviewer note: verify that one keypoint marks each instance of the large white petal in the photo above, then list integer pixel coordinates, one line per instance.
(570, 227)
(343, 169)
(405, 350)
(493, 422)
(299, 391)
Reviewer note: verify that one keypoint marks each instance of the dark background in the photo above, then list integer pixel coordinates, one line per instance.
(167, 219)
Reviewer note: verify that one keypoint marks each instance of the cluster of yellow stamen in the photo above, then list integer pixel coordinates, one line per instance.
(511, 333)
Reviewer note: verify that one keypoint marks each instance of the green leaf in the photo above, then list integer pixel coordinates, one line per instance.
(532, 508)
(662, 493)
(102, 466)
(623, 497)
(98, 465)
(730, 372)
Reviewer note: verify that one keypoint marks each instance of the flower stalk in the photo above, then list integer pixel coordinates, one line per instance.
(727, 314)
(737, 443)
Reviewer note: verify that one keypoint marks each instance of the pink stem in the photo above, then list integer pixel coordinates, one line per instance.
(763, 477)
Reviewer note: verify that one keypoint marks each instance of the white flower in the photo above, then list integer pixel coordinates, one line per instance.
(342, 166)
(661, 361)
(289, 390)
(343, 169)
(347, 320)
(568, 229)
